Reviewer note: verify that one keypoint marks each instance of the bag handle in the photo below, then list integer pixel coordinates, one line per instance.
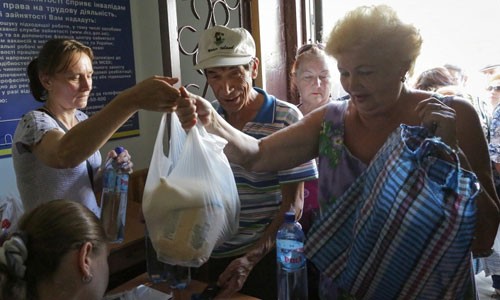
(172, 135)
(428, 145)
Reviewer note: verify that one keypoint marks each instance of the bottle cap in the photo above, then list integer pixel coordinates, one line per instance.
(119, 150)
(290, 217)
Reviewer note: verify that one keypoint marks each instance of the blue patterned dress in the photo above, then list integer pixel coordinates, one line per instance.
(339, 166)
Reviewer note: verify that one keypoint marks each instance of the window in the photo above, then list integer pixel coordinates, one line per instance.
(464, 33)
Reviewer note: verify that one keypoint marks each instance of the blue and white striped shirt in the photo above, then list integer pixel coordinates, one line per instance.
(259, 192)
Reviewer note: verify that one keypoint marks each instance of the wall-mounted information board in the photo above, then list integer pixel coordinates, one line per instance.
(25, 25)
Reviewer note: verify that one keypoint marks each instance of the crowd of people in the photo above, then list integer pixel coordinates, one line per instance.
(306, 157)
(491, 264)
(346, 135)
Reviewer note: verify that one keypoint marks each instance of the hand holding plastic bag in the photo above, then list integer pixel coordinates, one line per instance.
(190, 200)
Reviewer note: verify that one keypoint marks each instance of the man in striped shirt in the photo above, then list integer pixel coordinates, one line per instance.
(247, 262)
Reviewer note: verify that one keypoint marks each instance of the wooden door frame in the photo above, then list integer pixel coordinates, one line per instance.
(168, 34)
(293, 15)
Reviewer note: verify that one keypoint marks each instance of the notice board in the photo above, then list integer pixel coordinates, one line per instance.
(25, 25)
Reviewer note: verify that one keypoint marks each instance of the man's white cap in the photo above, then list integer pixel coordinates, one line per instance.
(221, 46)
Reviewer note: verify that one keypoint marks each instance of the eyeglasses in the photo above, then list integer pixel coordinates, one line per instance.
(307, 47)
(495, 88)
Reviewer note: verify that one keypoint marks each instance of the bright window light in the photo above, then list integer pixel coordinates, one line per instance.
(464, 33)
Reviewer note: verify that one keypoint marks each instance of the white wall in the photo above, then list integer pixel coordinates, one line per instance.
(148, 62)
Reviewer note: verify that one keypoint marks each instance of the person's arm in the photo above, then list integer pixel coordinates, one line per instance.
(475, 157)
(235, 275)
(271, 153)
(67, 150)
(458, 126)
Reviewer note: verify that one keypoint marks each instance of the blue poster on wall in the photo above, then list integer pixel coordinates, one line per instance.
(25, 25)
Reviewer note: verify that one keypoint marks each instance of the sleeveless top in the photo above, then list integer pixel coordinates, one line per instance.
(337, 167)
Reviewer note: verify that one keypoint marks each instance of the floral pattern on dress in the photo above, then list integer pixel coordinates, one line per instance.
(331, 142)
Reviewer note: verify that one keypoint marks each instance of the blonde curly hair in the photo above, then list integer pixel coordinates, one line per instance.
(377, 27)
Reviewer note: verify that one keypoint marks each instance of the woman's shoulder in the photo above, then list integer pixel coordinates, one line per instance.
(32, 126)
(41, 117)
(456, 102)
(336, 108)
(35, 116)
(450, 100)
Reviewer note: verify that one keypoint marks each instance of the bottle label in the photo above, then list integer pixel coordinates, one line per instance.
(109, 179)
(290, 254)
(122, 183)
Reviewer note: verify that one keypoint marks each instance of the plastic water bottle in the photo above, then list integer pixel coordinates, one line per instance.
(177, 277)
(291, 260)
(114, 199)
(157, 270)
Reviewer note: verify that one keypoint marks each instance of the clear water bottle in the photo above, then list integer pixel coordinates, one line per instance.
(177, 277)
(291, 260)
(114, 199)
(157, 270)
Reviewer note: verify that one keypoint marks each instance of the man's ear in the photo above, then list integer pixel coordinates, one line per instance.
(255, 68)
(84, 259)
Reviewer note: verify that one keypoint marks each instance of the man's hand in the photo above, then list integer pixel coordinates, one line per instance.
(234, 277)
(191, 107)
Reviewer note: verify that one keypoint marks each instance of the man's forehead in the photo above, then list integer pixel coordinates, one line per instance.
(224, 69)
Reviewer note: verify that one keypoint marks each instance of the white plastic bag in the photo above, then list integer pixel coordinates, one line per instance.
(190, 200)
